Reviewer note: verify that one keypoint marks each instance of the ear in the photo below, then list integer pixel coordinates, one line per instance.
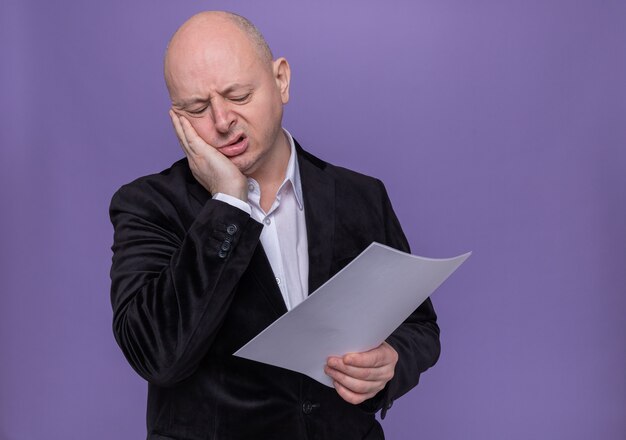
(282, 76)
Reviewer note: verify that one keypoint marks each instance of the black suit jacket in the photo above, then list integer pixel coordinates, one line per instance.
(191, 284)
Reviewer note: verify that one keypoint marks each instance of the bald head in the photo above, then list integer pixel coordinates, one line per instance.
(221, 78)
(208, 28)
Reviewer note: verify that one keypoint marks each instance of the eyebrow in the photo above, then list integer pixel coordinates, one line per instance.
(233, 87)
(191, 101)
(201, 99)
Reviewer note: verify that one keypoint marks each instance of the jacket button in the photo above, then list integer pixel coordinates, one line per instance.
(225, 246)
(231, 229)
(222, 254)
(308, 407)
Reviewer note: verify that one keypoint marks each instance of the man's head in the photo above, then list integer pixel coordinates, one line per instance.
(220, 75)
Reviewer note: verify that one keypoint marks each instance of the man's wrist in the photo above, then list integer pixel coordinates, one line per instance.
(233, 201)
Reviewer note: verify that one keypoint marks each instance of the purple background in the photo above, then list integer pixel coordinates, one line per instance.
(498, 127)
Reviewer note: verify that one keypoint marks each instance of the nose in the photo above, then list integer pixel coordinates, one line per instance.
(223, 117)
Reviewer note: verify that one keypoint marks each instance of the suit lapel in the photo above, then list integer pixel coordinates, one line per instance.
(318, 190)
(262, 271)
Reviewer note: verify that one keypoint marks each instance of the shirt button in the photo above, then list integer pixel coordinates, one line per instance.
(278, 281)
(267, 221)
(231, 229)
(251, 187)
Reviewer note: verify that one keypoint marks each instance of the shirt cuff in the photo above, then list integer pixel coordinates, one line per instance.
(233, 201)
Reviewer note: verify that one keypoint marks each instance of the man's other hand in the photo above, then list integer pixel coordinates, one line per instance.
(215, 172)
(359, 376)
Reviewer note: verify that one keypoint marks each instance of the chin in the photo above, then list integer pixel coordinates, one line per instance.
(244, 163)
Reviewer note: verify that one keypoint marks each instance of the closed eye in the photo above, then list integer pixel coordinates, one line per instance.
(197, 111)
(240, 99)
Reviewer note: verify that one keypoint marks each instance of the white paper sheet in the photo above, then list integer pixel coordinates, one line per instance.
(354, 311)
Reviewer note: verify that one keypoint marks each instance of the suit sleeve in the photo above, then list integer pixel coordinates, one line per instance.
(416, 340)
(171, 287)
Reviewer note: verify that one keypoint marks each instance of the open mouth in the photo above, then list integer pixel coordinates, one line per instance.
(235, 148)
(239, 139)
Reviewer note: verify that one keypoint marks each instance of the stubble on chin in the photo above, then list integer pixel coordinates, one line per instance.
(246, 165)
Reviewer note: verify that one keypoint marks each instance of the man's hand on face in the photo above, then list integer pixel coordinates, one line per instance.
(360, 376)
(215, 172)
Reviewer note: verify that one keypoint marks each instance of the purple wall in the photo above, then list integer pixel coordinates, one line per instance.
(498, 127)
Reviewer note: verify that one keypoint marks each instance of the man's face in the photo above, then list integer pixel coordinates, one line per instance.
(231, 96)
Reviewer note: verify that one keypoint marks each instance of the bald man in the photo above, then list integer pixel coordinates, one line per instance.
(214, 249)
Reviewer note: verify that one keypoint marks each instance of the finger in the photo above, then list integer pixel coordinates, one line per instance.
(384, 372)
(380, 356)
(193, 141)
(361, 363)
(355, 384)
(180, 134)
(350, 396)
(367, 359)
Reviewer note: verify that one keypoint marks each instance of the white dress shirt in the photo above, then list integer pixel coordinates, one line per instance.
(284, 236)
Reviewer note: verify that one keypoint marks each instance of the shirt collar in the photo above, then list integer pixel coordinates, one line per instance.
(292, 176)
(293, 171)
